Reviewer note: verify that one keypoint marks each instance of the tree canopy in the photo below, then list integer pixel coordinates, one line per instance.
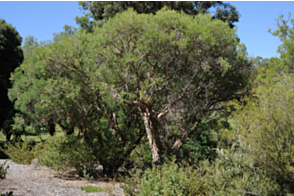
(11, 56)
(99, 12)
(160, 73)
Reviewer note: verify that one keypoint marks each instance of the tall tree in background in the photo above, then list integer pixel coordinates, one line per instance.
(100, 12)
(29, 45)
(11, 56)
(285, 32)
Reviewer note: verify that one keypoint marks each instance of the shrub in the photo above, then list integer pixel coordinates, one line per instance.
(92, 189)
(21, 152)
(3, 171)
(266, 125)
(233, 173)
(169, 179)
(66, 153)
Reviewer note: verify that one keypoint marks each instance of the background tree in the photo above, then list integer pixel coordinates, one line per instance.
(54, 85)
(29, 45)
(100, 12)
(285, 32)
(23, 121)
(11, 56)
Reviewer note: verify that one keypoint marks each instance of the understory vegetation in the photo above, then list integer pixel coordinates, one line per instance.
(169, 103)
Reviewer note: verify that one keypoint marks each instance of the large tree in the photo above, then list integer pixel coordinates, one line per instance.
(164, 74)
(99, 12)
(175, 69)
(11, 56)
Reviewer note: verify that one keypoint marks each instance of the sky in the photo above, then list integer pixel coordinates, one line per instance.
(42, 19)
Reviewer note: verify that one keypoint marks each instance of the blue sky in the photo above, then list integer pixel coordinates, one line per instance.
(42, 19)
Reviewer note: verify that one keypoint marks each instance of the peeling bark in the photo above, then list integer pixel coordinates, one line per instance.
(152, 134)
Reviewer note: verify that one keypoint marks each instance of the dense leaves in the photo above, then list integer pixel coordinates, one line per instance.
(267, 128)
(99, 12)
(11, 56)
(161, 72)
(174, 71)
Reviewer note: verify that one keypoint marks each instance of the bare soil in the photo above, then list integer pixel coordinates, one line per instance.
(35, 180)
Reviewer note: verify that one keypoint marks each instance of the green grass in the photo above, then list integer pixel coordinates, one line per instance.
(92, 189)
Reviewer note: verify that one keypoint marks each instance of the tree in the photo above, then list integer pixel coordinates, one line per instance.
(11, 56)
(23, 121)
(29, 45)
(100, 12)
(176, 72)
(286, 34)
(161, 74)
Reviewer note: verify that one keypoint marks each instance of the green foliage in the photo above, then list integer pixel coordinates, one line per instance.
(11, 56)
(22, 152)
(266, 126)
(92, 80)
(101, 12)
(3, 171)
(42, 95)
(68, 152)
(234, 172)
(65, 153)
(285, 32)
(169, 179)
(199, 146)
(10, 50)
(266, 70)
(147, 62)
(141, 156)
(92, 189)
(30, 44)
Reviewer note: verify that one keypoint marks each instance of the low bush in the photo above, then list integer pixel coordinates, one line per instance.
(68, 152)
(22, 152)
(233, 173)
(169, 179)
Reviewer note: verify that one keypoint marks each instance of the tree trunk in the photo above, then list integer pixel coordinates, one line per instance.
(51, 128)
(8, 136)
(152, 134)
